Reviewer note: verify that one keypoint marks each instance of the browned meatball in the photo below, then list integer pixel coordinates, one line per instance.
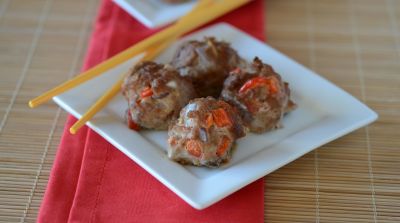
(155, 93)
(206, 63)
(260, 94)
(205, 133)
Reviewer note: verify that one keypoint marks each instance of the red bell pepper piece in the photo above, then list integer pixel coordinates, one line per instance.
(220, 117)
(131, 124)
(209, 120)
(193, 147)
(269, 82)
(223, 146)
(146, 92)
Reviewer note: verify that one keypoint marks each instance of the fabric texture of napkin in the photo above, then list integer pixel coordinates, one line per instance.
(92, 181)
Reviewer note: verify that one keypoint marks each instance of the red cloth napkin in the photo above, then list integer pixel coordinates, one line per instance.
(91, 181)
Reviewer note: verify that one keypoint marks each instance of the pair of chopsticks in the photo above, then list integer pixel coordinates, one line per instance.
(205, 11)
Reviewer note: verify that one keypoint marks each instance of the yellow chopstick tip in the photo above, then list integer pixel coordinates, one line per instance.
(72, 130)
(31, 104)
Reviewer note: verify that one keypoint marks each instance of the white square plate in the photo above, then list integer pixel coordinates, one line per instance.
(155, 13)
(325, 112)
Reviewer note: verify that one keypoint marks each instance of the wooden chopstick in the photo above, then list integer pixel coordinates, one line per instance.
(115, 89)
(195, 20)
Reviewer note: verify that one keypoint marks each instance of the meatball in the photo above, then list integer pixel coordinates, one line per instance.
(155, 93)
(260, 95)
(206, 63)
(205, 133)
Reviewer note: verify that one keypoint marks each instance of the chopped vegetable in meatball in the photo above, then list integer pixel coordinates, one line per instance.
(205, 133)
(155, 94)
(260, 94)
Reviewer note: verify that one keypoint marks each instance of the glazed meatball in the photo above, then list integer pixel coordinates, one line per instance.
(155, 94)
(206, 63)
(260, 95)
(205, 133)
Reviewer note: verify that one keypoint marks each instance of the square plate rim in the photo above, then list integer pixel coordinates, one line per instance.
(197, 192)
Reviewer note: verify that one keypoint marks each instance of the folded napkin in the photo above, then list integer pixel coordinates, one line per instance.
(92, 181)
